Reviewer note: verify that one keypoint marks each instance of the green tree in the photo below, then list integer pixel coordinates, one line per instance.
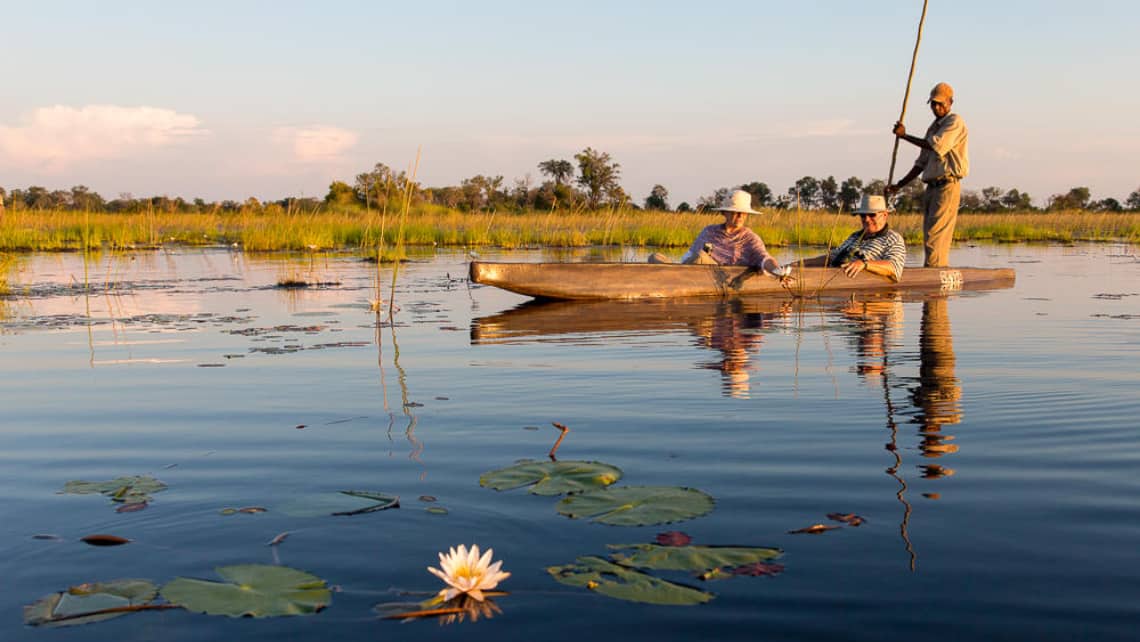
(970, 201)
(82, 198)
(598, 175)
(713, 200)
(340, 193)
(874, 188)
(761, 193)
(658, 199)
(849, 192)
(991, 199)
(909, 198)
(373, 186)
(1077, 198)
(684, 207)
(1016, 201)
(1107, 205)
(559, 170)
(1133, 201)
(805, 193)
(829, 193)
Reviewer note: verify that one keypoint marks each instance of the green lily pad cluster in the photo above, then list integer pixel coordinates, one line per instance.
(249, 590)
(125, 490)
(623, 576)
(586, 484)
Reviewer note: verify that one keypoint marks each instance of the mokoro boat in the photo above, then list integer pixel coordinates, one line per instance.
(657, 281)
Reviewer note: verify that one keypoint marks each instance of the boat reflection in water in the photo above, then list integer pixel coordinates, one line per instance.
(733, 328)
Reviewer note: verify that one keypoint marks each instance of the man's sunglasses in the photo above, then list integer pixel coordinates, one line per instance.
(865, 215)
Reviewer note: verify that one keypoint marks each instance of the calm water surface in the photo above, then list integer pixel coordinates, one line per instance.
(989, 439)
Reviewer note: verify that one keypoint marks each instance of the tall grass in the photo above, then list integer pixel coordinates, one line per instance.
(272, 228)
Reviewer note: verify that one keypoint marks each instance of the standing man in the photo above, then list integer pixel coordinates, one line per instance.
(943, 162)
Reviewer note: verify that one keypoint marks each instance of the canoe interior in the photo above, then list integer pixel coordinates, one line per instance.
(585, 281)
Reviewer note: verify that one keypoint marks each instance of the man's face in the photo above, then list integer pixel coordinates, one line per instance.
(734, 220)
(940, 106)
(873, 223)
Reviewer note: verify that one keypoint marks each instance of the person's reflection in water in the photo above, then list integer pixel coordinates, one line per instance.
(937, 397)
(878, 326)
(735, 333)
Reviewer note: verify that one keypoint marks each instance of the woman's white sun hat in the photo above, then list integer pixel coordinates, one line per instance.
(872, 204)
(738, 201)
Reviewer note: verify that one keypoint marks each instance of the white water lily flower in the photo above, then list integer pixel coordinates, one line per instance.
(465, 572)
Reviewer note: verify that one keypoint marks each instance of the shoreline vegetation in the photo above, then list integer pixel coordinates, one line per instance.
(373, 235)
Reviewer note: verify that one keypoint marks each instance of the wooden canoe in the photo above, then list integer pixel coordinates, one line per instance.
(570, 281)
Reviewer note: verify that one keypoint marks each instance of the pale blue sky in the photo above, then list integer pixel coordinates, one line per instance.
(272, 99)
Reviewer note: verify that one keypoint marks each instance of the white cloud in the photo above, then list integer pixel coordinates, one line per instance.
(316, 144)
(58, 136)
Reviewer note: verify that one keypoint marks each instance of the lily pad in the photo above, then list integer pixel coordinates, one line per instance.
(637, 505)
(623, 583)
(67, 608)
(126, 490)
(689, 558)
(552, 477)
(253, 590)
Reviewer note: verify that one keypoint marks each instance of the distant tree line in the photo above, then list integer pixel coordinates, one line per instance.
(591, 181)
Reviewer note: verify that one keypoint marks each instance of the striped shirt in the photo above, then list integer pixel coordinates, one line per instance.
(742, 247)
(886, 244)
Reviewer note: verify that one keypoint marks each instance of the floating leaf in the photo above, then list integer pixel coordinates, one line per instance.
(689, 558)
(277, 540)
(427, 498)
(622, 583)
(254, 590)
(637, 505)
(851, 519)
(133, 507)
(72, 606)
(758, 569)
(102, 539)
(341, 503)
(552, 477)
(127, 490)
(252, 510)
(436, 510)
(383, 501)
(673, 538)
(814, 529)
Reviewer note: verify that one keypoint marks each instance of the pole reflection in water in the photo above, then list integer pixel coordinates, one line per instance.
(934, 395)
(877, 328)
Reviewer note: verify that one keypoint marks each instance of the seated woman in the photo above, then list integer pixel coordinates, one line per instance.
(730, 243)
(876, 248)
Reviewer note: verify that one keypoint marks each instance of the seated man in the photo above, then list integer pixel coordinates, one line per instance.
(730, 243)
(876, 248)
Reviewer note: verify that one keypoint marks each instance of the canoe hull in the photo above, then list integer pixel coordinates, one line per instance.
(585, 281)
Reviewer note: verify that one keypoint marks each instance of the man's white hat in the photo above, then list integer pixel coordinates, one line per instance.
(738, 201)
(872, 204)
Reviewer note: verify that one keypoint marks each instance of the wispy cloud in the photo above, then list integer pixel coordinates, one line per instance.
(58, 136)
(315, 144)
